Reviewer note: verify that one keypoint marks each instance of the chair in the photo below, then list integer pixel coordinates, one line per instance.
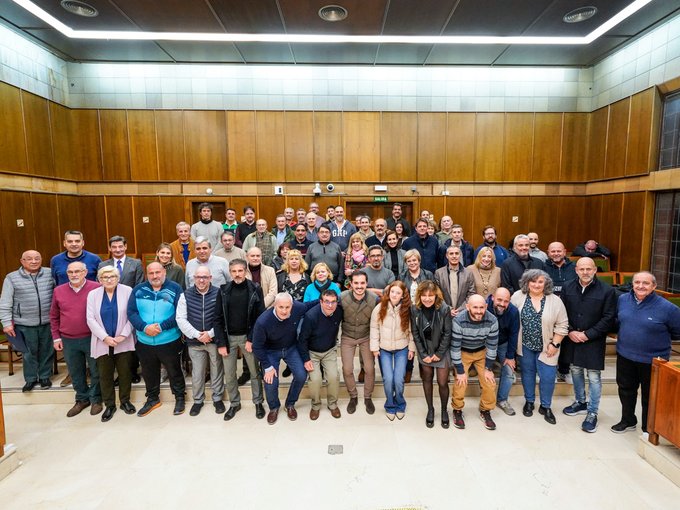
(11, 353)
(607, 277)
(602, 265)
(675, 300)
(625, 277)
(147, 258)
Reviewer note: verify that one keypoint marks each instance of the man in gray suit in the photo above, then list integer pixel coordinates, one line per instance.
(129, 269)
(456, 282)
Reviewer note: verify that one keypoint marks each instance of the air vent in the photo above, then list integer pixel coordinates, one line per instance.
(79, 8)
(332, 13)
(580, 14)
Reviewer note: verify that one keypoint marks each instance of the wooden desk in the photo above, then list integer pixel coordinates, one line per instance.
(664, 402)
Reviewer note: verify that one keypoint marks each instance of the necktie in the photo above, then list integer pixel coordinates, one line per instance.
(119, 266)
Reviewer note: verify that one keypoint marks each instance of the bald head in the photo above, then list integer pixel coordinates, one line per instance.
(501, 300)
(586, 270)
(557, 253)
(155, 273)
(31, 261)
(476, 307)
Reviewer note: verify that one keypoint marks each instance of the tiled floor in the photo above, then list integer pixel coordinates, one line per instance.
(162, 461)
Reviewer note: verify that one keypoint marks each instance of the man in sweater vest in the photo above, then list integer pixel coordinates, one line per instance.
(25, 307)
(474, 340)
(71, 334)
(318, 337)
(647, 324)
(195, 317)
(152, 311)
(275, 339)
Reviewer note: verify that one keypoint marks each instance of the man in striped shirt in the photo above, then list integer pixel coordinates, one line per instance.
(474, 341)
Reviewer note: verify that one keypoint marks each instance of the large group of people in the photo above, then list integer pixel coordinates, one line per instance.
(293, 295)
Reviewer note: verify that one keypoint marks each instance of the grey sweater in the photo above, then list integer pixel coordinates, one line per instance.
(26, 299)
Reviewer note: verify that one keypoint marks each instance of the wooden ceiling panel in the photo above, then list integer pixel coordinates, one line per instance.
(193, 51)
(109, 17)
(425, 17)
(447, 54)
(551, 22)
(251, 16)
(491, 17)
(364, 17)
(559, 55)
(170, 15)
(650, 14)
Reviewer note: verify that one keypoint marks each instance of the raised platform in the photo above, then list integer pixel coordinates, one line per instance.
(665, 457)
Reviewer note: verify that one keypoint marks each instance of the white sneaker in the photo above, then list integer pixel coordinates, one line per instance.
(506, 407)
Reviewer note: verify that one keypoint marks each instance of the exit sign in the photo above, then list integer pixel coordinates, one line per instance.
(380, 199)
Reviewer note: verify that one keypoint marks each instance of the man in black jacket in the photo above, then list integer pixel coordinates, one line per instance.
(514, 267)
(591, 307)
(239, 303)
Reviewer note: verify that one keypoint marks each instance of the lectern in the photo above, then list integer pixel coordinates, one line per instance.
(664, 402)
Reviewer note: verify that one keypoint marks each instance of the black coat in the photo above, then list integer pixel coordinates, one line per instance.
(513, 269)
(593, 312)
(440, 340)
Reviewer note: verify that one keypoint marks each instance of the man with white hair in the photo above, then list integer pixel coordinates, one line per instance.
(183, 247)
(520, 261)
(275, 339)
(264, 240)
(218, 266)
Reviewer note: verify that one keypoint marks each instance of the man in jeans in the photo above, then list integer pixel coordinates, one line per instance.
(507, 316)
(357, 305)
(317, 338)
(25, 307)
(71, 334)
(591, 307)
(239, 303)
(195, 315)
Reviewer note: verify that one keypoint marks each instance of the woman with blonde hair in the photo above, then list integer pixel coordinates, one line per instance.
(292, 277)
(431, 328)
(391, 341)
(322, 279)
(485, 273)
(173, 271)
(356, 257)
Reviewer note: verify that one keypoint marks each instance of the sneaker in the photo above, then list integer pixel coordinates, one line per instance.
(561, 377)
(622, 427)
(485, 416)
(590, 423)
(148, 406)
(458, 420)
(576, 408)
(506, 407)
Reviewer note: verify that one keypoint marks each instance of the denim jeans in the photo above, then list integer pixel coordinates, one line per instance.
(594, 387)
(78, 359)
(292, 358)
(505, 382)
(546, 374)
(393, 366)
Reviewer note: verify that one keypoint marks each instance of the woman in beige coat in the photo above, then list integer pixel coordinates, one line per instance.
(543, 325)
(391, 341)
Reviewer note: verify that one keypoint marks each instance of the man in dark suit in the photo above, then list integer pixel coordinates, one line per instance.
(129, 269)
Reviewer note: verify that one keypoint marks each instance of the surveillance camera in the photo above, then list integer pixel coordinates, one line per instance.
(330, 187)
(209, 191)
(317, 190)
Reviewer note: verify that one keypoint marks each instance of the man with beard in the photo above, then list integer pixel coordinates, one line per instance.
(489, 235)
(379, 238)
(520, 261)
(534, 251)
(378, 275)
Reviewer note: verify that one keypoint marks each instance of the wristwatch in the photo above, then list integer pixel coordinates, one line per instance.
(556, 346)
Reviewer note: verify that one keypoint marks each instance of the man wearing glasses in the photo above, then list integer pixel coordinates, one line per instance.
(317, 344)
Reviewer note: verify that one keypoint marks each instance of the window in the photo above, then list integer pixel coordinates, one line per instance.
(669, 152)
(666, 244)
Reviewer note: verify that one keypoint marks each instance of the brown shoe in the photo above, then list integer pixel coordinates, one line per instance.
(335, 412)
(272, 416)
(370, 408)
(352, 406)
(407, 377)
(96, 409)
(77, 408)
(314, 414)
(66, 381)
(292, 413)
(361, 375)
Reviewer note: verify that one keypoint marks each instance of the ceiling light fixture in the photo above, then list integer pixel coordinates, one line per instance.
(332, 13)
(580, 14)
(79, 8)
(130, 35)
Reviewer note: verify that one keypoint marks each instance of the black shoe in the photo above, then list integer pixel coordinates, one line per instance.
(352, 405)
(370, 406)
(29, 386)
(179, 407)
(259, 411)
(219, 407)
(108, 413)
(231, 412)
(547, 414)
(135, 378)
(528, 409)
(286, 372)
(622, 427)
(128, 408)
(195, 409)
(116, 383)
(148, 406)
(244, 378)
(45, 384)
(429, 419)
(445, 418)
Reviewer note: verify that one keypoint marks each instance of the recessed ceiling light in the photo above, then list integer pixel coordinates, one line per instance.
(580, 14)
(332, 13)
(79, 8)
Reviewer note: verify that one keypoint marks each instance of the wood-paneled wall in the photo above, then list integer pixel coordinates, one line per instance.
(45, 139)
(616, 220)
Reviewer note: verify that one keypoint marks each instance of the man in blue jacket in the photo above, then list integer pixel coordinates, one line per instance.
(427, 246)
(73, 242)
(647, 323)
(499, 305)
(152, 311)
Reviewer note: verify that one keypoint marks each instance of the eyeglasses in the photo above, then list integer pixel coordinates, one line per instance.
(77, 271)
(109, 277)
(329, 303)
(202, 277)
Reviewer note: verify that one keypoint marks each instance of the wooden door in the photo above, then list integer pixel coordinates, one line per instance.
(217, 213)
(377, 210)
